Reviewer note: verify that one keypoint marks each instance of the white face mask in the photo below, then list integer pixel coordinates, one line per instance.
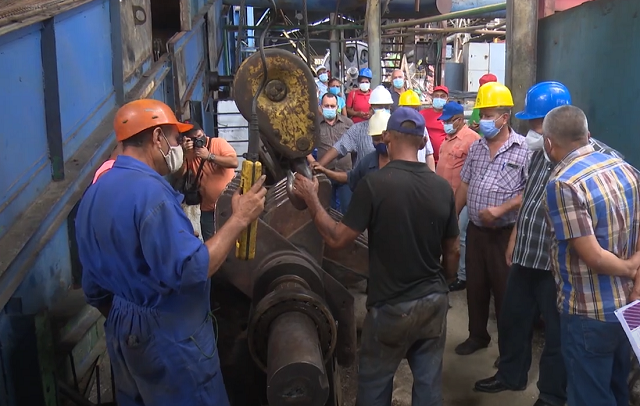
(534, 140)
(365, 87)
(174, 158)
(544, 151)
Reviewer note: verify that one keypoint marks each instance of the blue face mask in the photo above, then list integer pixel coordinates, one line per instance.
(323, 77)
(334, 90)
(489, 129)
(329, 114)
(439, 103)
(448, 128)
(398, 83)
(381, 148)
(387, 110)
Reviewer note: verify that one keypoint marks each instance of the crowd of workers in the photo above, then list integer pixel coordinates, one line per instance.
(547, 223)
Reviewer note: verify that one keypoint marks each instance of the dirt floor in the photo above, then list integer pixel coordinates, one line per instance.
(460, 372)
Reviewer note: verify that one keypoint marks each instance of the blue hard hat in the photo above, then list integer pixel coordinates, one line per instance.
(542, 98)
(365, 73)
(451, 109)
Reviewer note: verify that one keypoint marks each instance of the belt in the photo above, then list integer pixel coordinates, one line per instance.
(493, 229)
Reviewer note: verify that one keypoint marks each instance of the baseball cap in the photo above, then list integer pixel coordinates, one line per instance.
(488, 77)
(441, 88)
(403, 115)
(449, 110)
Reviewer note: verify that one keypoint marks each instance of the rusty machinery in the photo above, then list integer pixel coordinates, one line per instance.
(301, 322)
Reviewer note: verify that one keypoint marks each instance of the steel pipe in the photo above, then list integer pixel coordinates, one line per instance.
(448, 16)
(295, 372)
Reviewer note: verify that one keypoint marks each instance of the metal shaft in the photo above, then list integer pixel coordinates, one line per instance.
(295, 372)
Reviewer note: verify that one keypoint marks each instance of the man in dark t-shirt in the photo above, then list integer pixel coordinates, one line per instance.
(411, 217)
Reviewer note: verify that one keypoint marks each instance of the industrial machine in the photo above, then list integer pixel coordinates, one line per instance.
(298, 325)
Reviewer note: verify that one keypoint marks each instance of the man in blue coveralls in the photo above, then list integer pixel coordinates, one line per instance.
(147, 272)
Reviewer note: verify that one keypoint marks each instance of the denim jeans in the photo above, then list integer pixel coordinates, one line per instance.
(415, 330)
(340, 197)
(463, 222)
(598, 359)
(207, 224)
(530, 292)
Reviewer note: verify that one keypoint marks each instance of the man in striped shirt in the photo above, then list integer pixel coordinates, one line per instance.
(531, 286)
(594, 213)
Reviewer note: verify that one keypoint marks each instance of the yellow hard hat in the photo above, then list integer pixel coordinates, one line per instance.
(378, 122)
(409, 98)
(493, 94)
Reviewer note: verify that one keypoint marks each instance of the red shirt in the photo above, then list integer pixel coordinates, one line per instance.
(435, 129)
(359, 102)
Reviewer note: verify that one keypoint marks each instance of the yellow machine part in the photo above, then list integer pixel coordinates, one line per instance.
(287, 108)
(246, 244)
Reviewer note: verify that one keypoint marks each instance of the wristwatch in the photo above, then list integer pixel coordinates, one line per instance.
(211, 157)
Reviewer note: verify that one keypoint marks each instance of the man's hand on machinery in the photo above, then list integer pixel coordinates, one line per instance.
(305, 188)
(317, 168)
(248, 206)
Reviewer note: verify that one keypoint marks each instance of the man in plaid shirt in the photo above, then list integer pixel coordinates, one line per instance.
(531, 288)
(492, 181)
(593, 205)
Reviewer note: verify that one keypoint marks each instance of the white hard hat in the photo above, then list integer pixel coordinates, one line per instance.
(378, 122)
(380, 95)
(320, 67)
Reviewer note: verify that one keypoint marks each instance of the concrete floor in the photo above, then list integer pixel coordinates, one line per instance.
(460, 372)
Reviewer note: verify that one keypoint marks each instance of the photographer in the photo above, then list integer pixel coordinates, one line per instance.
(209, 166)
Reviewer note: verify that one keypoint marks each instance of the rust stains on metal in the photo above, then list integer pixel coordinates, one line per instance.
(288, 106)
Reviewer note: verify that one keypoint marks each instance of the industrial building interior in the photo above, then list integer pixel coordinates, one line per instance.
(197, 56)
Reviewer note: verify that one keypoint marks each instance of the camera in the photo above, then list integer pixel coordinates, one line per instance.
(199, 142)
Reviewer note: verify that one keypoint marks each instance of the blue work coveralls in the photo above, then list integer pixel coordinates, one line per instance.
(138, 252)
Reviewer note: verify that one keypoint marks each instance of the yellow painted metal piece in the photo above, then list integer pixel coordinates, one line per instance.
(287, 108)
(246, 244)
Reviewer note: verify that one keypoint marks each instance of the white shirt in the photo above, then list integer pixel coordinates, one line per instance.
(427, 150)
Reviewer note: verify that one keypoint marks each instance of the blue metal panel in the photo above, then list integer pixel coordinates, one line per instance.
(160, 93)
(137, 75)
(194, 51)
(85, 70)
(583, 48)
(50, 277)
(23, 142)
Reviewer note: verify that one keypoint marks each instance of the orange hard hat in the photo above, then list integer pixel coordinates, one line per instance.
(139, 115)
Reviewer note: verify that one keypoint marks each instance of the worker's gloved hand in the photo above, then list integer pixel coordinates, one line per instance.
(304, 188)
(248, 206)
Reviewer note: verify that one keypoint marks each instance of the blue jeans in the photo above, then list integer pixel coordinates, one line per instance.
(340, 197)
(463, 222)
(598, 360)
(415, 330)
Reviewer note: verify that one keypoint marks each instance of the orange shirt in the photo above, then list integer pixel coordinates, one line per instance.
(102, 169)
(453, 153)
(214, 177)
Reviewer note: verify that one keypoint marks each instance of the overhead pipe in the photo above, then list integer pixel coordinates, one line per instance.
(460, 5)
(449, 16)
(396, 8)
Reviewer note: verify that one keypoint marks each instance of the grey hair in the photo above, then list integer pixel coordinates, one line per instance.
(566, 124)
